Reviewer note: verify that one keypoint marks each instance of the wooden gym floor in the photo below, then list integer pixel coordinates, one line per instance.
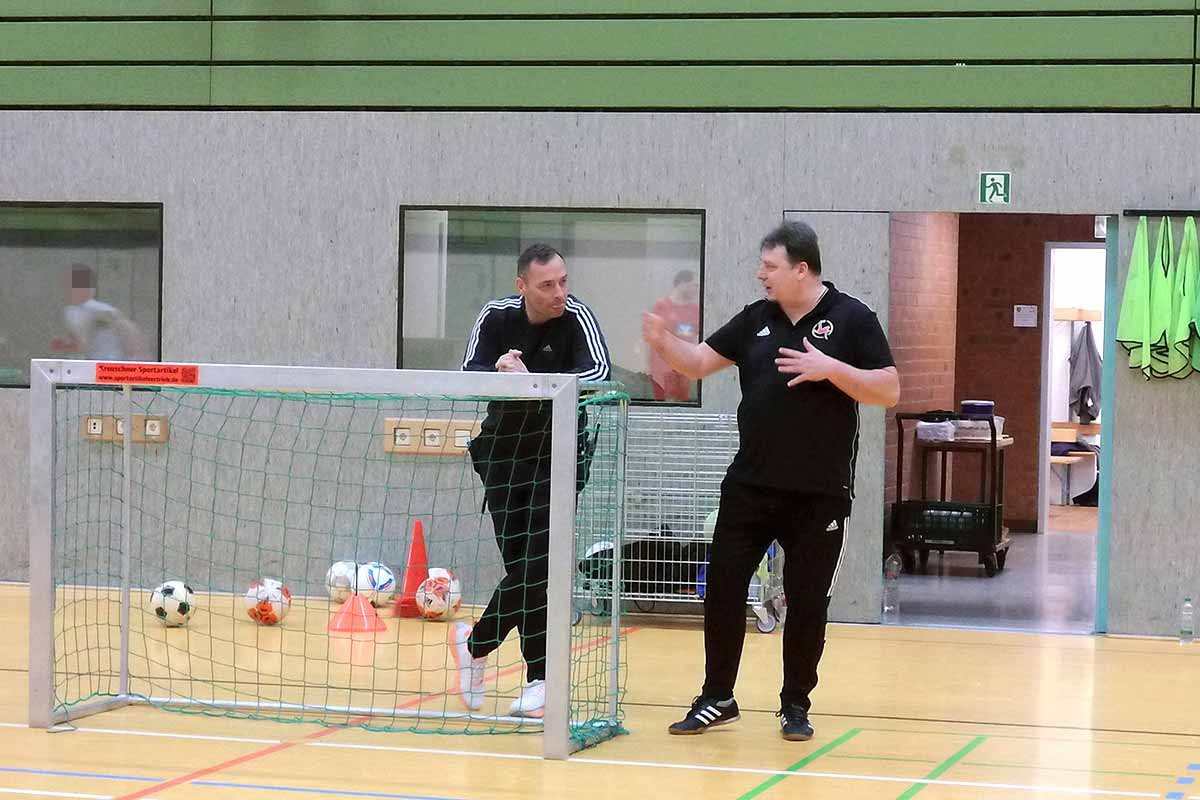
(901, 712)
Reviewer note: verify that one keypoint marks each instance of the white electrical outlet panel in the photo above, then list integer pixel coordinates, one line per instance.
(428, 437)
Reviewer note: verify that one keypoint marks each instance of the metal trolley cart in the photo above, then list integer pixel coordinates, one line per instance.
(675, 462)
(921, 525)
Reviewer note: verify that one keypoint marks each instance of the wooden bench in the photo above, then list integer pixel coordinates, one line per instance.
(1069, 432)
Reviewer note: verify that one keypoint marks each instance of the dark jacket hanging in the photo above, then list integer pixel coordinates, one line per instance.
(1085, 376)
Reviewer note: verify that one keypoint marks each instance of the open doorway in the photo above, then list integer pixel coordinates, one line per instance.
(1071, 407)
(972, 317)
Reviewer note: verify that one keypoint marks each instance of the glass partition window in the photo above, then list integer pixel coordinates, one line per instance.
(78, 282)
(619, 263)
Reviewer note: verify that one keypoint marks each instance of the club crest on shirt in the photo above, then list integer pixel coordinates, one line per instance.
(822, 330)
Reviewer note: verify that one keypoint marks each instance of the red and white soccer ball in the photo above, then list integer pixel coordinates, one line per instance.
(440, 595)
(268, 601)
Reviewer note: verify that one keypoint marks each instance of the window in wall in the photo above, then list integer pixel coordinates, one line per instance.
(619, 263)
(79, 281)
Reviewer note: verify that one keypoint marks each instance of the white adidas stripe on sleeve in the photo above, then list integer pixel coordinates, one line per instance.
(595, 341)
(473, 339)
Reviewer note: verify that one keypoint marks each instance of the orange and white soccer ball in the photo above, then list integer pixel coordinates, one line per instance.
(440, 595)
(268, 601)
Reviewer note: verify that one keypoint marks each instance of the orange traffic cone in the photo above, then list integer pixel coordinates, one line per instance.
(352, 632)
(415, 573)
(356, 615)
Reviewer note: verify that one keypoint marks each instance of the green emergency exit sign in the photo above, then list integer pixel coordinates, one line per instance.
(995, 188)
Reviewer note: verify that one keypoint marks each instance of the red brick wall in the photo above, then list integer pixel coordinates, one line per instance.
(1001, 262)
(922, 319)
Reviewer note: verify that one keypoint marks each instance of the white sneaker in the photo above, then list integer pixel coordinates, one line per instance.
(532, 702)
(471, 671)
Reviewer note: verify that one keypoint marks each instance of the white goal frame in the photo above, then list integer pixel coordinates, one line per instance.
(46, 375)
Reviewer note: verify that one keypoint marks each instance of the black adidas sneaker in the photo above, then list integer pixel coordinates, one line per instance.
(794, 723)
(706, 713)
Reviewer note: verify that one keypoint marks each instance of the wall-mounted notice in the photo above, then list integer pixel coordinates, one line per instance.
(1024, 316)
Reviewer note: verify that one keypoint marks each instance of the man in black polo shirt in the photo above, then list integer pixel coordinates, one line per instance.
(807, 355)
(542, 328)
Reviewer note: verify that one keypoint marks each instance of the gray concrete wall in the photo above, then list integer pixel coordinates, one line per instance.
(1155, 554)
(281, 239)
(14, 485)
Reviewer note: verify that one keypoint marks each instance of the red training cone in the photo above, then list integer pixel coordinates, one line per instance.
(415, 573)
(356, 615)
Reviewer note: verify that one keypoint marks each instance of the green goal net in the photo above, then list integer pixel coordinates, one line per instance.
(314, 546)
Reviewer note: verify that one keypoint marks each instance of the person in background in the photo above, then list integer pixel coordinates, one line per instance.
(680, 312)
(97, 330)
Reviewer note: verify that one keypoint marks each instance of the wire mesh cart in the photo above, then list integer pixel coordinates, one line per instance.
(924, 524)
(675, 462)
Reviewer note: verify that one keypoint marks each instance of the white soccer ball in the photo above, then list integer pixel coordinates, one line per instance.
(268, 601)
(173, 603)
(440, 595)
(342, 580)
(376, 582)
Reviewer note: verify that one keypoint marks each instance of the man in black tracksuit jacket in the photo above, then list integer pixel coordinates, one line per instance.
(540, 329)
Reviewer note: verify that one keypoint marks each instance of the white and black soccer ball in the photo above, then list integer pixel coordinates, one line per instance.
(342, 580)
(173, 603)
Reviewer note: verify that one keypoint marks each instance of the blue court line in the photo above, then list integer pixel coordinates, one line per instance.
(67, 774)
(1185, 780)
(310, 790)
(225, 784)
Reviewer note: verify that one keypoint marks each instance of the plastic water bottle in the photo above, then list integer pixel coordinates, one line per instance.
(891, 589)
(1187, 627)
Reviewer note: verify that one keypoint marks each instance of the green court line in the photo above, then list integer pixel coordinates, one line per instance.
(943, 767)
(804, 762)
(1068, 769)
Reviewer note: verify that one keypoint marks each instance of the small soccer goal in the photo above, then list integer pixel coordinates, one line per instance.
(303, 544)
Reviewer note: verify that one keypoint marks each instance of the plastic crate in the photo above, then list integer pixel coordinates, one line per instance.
(936, 524)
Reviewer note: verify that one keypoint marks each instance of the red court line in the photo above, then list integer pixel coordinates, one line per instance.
(275, 748)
